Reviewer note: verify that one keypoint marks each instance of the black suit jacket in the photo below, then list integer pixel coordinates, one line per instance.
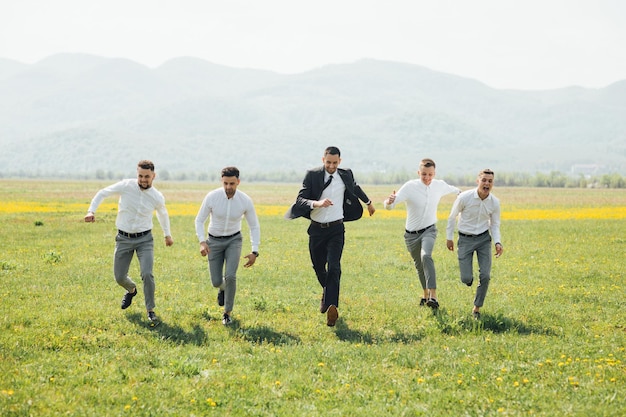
(312, 187)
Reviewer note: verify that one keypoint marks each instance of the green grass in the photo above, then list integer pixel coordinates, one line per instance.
(551, 342)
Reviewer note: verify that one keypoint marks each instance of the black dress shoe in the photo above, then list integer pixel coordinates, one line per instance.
(432, 303)
(152, 317)
(128, 299)
(423, 302)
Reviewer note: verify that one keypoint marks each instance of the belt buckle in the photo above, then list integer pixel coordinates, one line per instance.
(324, 225)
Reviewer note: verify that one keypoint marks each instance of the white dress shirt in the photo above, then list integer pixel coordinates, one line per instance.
(475, 215)
(334, 192)
(421, 201)
(135, 206)
(226, 215)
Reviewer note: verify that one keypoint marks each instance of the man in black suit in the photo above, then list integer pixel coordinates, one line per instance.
(321, 189)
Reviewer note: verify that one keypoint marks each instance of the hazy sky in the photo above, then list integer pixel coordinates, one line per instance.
(523, 44)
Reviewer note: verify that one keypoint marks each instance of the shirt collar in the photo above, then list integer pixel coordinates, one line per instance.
(478, 197)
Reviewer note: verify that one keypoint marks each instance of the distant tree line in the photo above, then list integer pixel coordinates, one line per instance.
(554, 179)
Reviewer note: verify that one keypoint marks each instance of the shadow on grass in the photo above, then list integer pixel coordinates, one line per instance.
(170, 332)
(345, 333)
(497, 323)
(263, 334)
(256, 334)
(500, 324)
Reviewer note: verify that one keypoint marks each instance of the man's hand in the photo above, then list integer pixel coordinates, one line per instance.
(450, 245)
(169, 241)
(323, 203)
(499, 250)
(251, 257)
(204, 249)
(90, 217)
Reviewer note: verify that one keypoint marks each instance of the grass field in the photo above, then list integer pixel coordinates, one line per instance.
(551, 342)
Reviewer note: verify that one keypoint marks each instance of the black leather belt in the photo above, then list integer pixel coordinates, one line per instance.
(417, 232)
(133, 235)
(224, 237)
(326, 225)
(478, 235)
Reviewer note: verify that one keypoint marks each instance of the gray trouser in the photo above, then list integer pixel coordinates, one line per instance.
(420, 247)
(223, 263)
(466, 248)
(124, 249)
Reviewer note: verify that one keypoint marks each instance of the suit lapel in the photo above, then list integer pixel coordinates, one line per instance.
(319, 183)
(346, 179)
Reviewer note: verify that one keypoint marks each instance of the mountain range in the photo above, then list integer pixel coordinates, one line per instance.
(75, 115)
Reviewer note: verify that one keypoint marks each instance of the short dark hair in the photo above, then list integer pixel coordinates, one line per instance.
(146, 164)
(486, 171)
(230, 172)
(427, 163)
(333, 150)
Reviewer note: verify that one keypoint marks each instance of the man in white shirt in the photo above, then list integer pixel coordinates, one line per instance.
(478, 213)
(422, 197)
(137, 202)
(226, 206)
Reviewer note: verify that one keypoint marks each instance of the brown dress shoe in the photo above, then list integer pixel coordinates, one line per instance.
(331, 316)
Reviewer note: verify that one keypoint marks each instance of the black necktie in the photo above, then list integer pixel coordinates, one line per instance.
(327, 183)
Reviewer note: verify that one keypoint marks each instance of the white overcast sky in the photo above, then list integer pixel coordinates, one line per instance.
(521, 44)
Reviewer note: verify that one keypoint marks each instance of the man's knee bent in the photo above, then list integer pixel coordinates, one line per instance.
(121, 280)
(467, 279)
